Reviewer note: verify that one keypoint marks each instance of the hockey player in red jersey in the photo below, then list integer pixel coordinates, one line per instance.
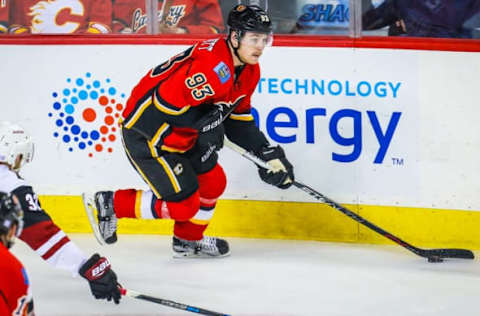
(15, 295)
(174, 124)
(177, 16)
(60, 16)
(40, 232)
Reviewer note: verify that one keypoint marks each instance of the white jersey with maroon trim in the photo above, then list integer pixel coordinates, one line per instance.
(40, 232)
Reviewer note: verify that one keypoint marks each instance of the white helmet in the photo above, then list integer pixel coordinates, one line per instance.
(14, 141)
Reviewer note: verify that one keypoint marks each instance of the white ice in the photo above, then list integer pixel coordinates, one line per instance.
(263, 277)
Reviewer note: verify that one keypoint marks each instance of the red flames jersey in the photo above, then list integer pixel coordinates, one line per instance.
(40, 232)
(4, 6)
(61, 16)
(195, 16)
(176, 91)
(15, 295)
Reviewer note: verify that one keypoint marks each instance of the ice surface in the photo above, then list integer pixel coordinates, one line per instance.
(263, 277)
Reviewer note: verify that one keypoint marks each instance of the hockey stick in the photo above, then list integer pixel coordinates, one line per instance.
(188, 308)
(433, 255)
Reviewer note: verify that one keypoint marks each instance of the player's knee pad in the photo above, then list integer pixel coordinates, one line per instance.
(212, 183)
(182, 210)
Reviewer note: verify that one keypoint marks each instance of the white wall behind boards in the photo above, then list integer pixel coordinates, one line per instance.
(368, 126)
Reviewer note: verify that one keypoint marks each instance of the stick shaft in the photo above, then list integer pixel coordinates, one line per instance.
(445, 253)
(172, 304)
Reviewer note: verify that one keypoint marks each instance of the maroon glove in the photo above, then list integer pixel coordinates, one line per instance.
(101, 278)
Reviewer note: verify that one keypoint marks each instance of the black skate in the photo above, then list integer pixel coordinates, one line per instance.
(207, 247)
(105, 227)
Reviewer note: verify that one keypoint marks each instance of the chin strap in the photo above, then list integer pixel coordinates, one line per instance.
(235, 49)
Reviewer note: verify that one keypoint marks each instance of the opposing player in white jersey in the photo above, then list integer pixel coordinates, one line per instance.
(40, 232)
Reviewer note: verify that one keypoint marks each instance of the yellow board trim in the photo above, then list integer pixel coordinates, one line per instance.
(302, 221)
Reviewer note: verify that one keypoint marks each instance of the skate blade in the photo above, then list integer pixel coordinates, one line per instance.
(191, 255)
(90, 210)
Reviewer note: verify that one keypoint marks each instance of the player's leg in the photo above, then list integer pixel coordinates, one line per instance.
(188, 235)
(170, 178)
(192, 214)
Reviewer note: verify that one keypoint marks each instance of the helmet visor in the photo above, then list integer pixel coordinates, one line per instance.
(259, 40)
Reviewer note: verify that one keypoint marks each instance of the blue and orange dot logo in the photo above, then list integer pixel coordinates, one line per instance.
(86, 113)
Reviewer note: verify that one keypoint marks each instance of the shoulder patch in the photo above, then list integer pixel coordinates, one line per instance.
(222, 71)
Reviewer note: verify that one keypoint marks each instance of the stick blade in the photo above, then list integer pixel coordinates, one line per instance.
(448, 253)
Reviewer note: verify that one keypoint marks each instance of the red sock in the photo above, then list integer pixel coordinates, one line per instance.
(189, 230)
(124, 203)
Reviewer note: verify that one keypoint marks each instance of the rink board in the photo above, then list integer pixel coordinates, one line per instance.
(300, 221)
(392, 133)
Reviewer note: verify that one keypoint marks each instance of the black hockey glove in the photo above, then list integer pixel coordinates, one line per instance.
(101, 278)
(209, 121)
(281, 174)
(210, 131)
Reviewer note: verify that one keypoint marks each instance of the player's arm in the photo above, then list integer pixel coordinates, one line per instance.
(44, 236)
(241, 129)
(383, 15)
(54, 246)
(210, 19)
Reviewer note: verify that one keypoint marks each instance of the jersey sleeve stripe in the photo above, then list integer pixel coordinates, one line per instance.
(51, 242)
(53, 250)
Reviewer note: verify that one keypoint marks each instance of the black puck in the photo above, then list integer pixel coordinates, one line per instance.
(435, 259)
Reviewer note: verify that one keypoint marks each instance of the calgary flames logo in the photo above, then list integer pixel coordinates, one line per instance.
(57, 16)
(241, 8)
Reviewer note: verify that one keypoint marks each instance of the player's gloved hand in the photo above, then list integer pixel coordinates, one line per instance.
(212, 140)
(101, 278)
(281, 172)
(209, 121)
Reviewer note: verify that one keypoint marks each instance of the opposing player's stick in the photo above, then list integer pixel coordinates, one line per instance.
(188, 308)
(433, 255)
